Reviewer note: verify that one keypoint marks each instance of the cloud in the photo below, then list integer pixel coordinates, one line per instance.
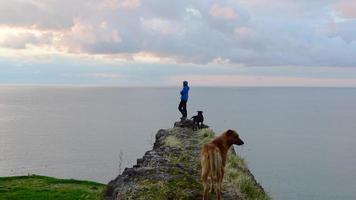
(224, 12)
(243, 33)
(346, 8)
(238, 33)
(114, 4)
(220, 61)
(86, 37)
(92, 75)
(20, 38)
(346, 30)
(158, 25)
(39, 14)
(193, 11)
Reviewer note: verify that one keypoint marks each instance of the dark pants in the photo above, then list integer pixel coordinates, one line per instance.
(183, 108)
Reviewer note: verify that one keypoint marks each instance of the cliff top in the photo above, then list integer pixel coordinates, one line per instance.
(45, 188)
(171, 170)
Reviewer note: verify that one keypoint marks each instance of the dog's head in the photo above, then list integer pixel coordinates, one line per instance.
(233, 137)
(200, 113)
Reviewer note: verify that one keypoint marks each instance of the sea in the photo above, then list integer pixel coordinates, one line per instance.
(300, 143)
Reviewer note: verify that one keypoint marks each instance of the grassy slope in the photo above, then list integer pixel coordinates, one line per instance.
(236, 179)
(44, 188)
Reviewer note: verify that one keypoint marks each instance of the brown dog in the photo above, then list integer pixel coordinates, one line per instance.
(213, 160)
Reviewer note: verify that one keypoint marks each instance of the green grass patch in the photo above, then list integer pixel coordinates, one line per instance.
(205, 135)
(240, 181)
(35, 187)
(172, 141)
(158, 190)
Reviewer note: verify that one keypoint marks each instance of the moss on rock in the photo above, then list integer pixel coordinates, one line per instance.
(172, 141)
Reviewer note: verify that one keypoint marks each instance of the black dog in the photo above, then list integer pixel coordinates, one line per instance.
(198, 120)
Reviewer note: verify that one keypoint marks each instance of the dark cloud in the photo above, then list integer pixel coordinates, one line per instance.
(50, 15)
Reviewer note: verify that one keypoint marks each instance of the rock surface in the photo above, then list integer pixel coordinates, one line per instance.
(171, 170)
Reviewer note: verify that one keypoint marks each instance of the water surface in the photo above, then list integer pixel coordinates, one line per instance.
(300, 143)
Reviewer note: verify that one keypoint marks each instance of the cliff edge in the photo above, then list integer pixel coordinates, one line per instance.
(171, 170)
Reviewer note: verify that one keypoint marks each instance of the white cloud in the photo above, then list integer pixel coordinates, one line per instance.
(193, 11)
(22, 38)
(220, 61)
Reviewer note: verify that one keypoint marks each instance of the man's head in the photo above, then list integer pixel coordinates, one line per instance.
(233, 137)
(185, 83)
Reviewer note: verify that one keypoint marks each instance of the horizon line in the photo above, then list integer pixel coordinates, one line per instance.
(169, 86)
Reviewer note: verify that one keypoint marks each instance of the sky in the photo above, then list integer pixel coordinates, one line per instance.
(161, 43)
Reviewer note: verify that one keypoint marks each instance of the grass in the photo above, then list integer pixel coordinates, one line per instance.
(205, 136)
(158, 190)
(172, 141)
(34, 187)
(237, 178)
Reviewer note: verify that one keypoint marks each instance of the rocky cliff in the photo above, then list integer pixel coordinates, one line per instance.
(171, 170)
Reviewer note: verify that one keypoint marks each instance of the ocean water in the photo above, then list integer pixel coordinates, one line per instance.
(300, 143)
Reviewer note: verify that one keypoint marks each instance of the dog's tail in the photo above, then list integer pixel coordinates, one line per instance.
(211, 163)
(204, 161)
(215, 164)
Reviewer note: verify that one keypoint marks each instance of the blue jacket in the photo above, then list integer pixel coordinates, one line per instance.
(184, 93)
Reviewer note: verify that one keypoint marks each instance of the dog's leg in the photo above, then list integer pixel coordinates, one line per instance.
(218, 191)
(218, 174)
(205, 174)
(206, 189)
(212, 186)
(219, 182)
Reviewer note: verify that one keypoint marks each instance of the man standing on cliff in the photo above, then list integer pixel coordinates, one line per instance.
(183, 100)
